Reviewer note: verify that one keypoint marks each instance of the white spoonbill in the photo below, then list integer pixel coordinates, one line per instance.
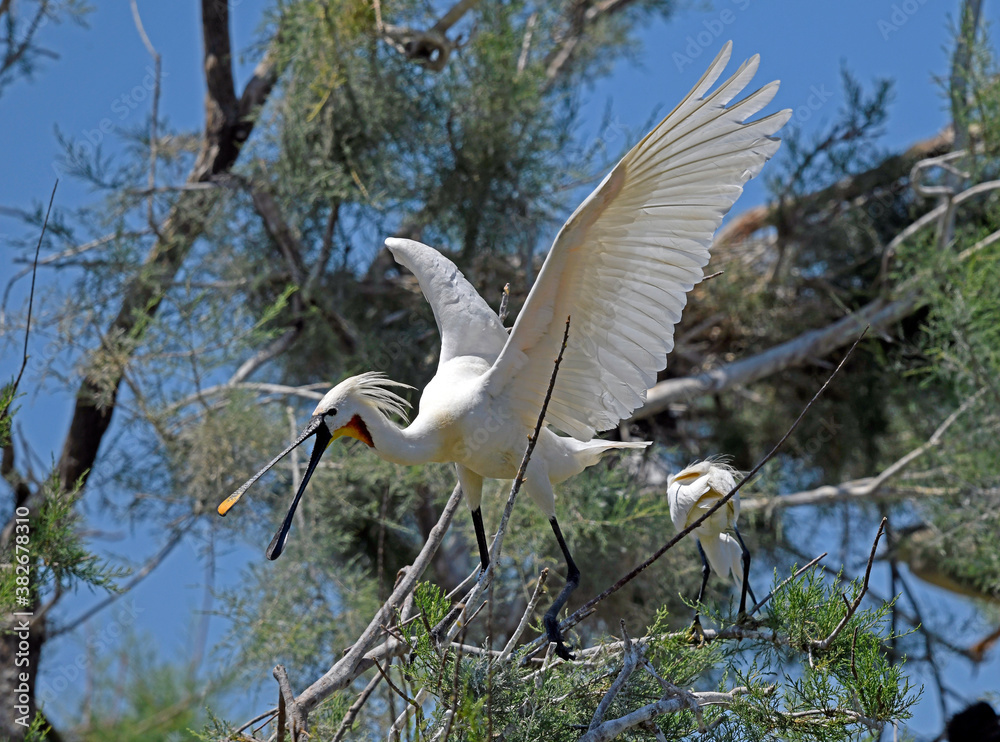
(620, 267)
(691, 493)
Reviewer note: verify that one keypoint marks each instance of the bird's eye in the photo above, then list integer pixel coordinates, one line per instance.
(330, 412)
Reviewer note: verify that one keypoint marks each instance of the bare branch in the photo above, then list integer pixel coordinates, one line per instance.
(287, 699)
(861, 488)
(346, 670)
(278, 346)
(808, 346)
(631, 660)
(611, 729)
(151, 564)
(308, 391)
(852, 607)
(525, 617)
(352, 713)
(154, 116)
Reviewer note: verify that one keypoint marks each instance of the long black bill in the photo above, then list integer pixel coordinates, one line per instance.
(314, 424)
(323, 437)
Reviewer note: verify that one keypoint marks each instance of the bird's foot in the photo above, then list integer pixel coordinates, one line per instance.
(555, 637)
(696, 634)
(746, 621)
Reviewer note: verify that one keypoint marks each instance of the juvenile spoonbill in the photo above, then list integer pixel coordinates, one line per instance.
(691, 493)
(620, 267)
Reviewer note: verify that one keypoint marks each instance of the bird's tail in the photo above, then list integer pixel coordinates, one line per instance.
(724, 556)
(590, 452)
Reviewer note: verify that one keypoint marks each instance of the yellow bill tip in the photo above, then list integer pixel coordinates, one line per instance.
(228, 503)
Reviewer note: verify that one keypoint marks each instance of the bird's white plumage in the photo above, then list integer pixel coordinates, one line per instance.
(620, 268)
(690, 494)
(622, 265)
(467, 325)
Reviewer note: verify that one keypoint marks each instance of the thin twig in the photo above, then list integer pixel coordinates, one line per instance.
(291, 707)
(823, 644)
(525, 617)
(352, 712)
(631, 660)
(31, 301)
(400, 723)
(784, 582)
(393, 686)
(151, 182)
(258, 717)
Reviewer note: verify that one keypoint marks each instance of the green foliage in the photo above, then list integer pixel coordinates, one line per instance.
(57, 557)
(781, 685)
(8, 393)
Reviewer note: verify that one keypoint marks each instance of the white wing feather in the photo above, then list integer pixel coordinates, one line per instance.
(467, 325)
(623, 263)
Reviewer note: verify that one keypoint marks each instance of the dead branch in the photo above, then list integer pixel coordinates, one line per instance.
(228, 124)
(344, 671)
(580, 19)
(861, 488)
(611, 729)
(824, 644)
(286, 704)
(631, 661)
(805, 348)
(890, 170)
(525, 617)
(352, 713)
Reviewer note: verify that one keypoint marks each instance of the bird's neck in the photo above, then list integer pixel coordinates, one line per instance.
(407, 446)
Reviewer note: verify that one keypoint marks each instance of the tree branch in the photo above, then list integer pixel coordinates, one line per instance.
(345, 670)
(806, 347)
(226, 129)
(860, 488)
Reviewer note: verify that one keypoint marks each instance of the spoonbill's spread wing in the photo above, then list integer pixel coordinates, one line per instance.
(467, 325)
(622, 265)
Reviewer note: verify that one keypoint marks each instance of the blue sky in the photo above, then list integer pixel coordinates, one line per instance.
(101, 80)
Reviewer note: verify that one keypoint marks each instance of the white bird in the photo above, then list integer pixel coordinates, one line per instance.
(620, 267)
(693, 492)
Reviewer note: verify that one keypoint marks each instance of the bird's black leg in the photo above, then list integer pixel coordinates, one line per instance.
(746, 575)
(484, 550)
(705, 572)
(572, 581)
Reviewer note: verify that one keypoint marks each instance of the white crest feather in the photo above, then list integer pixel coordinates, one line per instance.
(373, 387)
